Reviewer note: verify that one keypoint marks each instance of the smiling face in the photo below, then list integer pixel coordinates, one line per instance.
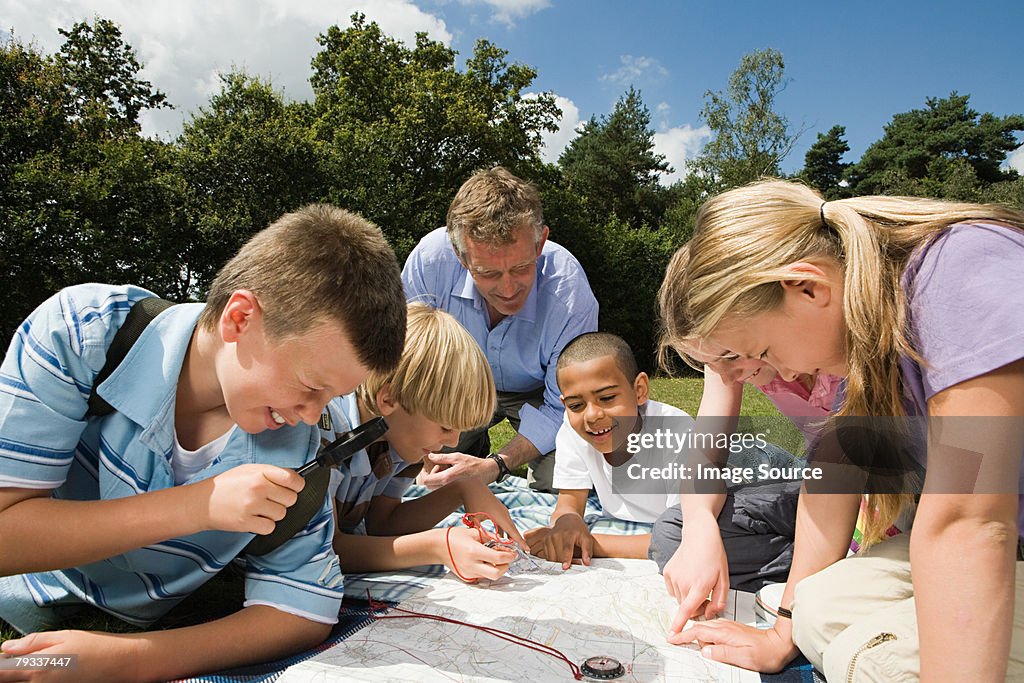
(268, 383)
(805, 335)
(504, 274)
(601, 404)
(412, 436)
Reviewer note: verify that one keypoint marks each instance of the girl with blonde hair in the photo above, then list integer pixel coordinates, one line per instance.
(919, 305)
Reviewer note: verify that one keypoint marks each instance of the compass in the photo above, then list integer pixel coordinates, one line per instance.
(602, 668)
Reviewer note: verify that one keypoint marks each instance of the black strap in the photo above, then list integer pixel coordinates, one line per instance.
(141, 314)
(311, 499)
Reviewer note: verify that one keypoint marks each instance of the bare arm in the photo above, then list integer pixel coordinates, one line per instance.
(250, 498)
(699, 566)
(455, 466)
(518, 451)
(964, 541)
(633, 546)
(391, 517)
(254, 634)
(823, 529)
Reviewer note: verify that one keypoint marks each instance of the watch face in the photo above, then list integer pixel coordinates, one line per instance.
(602, 668)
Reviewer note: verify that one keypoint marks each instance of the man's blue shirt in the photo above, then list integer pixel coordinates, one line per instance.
(523, 348)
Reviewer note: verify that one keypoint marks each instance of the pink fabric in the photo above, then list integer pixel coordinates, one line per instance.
(807, 409)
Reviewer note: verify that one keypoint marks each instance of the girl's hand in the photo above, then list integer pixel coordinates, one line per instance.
(696, 570)
(729, 642)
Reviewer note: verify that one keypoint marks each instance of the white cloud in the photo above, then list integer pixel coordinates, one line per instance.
(555, 143)
(633, 68)
(508, 11)
(680, 144)
(1015, 160)
(184, 44)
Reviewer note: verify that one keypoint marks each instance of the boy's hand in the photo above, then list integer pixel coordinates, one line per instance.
(251, 498)
(568, 533)
(473, 559)
(476, 497)
(101, 657)
(697, 569)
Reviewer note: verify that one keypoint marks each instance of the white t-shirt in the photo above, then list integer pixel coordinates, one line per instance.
(578, 465)
(186, 464)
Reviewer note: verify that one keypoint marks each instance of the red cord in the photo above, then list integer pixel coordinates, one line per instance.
(376, 605)
(470, 520)
(448, 542)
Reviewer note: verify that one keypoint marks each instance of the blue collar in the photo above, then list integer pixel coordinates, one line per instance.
(144, 386)
(465, 288)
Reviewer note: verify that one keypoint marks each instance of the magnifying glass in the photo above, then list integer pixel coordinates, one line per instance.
(317, 473)
(345, 446)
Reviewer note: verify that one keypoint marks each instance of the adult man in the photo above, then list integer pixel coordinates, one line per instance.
(522, 298)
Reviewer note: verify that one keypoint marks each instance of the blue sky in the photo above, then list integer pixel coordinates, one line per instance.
(854, 64)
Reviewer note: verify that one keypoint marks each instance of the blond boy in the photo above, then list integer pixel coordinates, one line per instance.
(442, 386)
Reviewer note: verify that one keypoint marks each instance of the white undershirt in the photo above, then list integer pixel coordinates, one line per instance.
(185, 464)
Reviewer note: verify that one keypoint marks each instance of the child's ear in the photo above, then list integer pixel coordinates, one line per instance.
(642, 388)
(386, 403)
(806, 286)
(239, 315)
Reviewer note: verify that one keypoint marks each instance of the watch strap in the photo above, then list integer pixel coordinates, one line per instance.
(503, 470)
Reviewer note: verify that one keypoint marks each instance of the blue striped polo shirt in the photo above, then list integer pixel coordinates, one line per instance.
(47, 443)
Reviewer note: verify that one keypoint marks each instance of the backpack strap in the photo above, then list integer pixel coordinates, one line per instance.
(141, 314)
(312, 496)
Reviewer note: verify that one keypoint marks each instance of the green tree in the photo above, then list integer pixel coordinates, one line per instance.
(750, 138)
(101, 74)
(612, 163)
(824, 168)
(924, 150)
(82, 196)
(404, 127)
(247, 157)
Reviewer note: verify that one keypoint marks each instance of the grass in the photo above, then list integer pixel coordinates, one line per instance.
(223, 594)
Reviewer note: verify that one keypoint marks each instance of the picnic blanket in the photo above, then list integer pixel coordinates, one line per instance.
(529, 509)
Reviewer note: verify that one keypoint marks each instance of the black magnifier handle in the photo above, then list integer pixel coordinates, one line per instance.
(346, 445)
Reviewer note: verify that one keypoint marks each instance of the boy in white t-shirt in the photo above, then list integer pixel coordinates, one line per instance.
(606, 399)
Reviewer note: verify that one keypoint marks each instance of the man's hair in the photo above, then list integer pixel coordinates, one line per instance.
(491, 206)
(315, 265)
(442, 375)
(591, 345)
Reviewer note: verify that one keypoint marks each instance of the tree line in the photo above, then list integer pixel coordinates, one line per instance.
(391, 132)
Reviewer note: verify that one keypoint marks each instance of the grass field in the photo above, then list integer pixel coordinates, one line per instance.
(224, 593)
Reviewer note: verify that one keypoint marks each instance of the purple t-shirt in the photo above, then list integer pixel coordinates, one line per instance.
(965, 311)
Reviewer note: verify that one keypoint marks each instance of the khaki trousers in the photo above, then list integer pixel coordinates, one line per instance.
(855, 621)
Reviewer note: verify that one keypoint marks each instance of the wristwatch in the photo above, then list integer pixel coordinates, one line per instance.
(503, 470)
